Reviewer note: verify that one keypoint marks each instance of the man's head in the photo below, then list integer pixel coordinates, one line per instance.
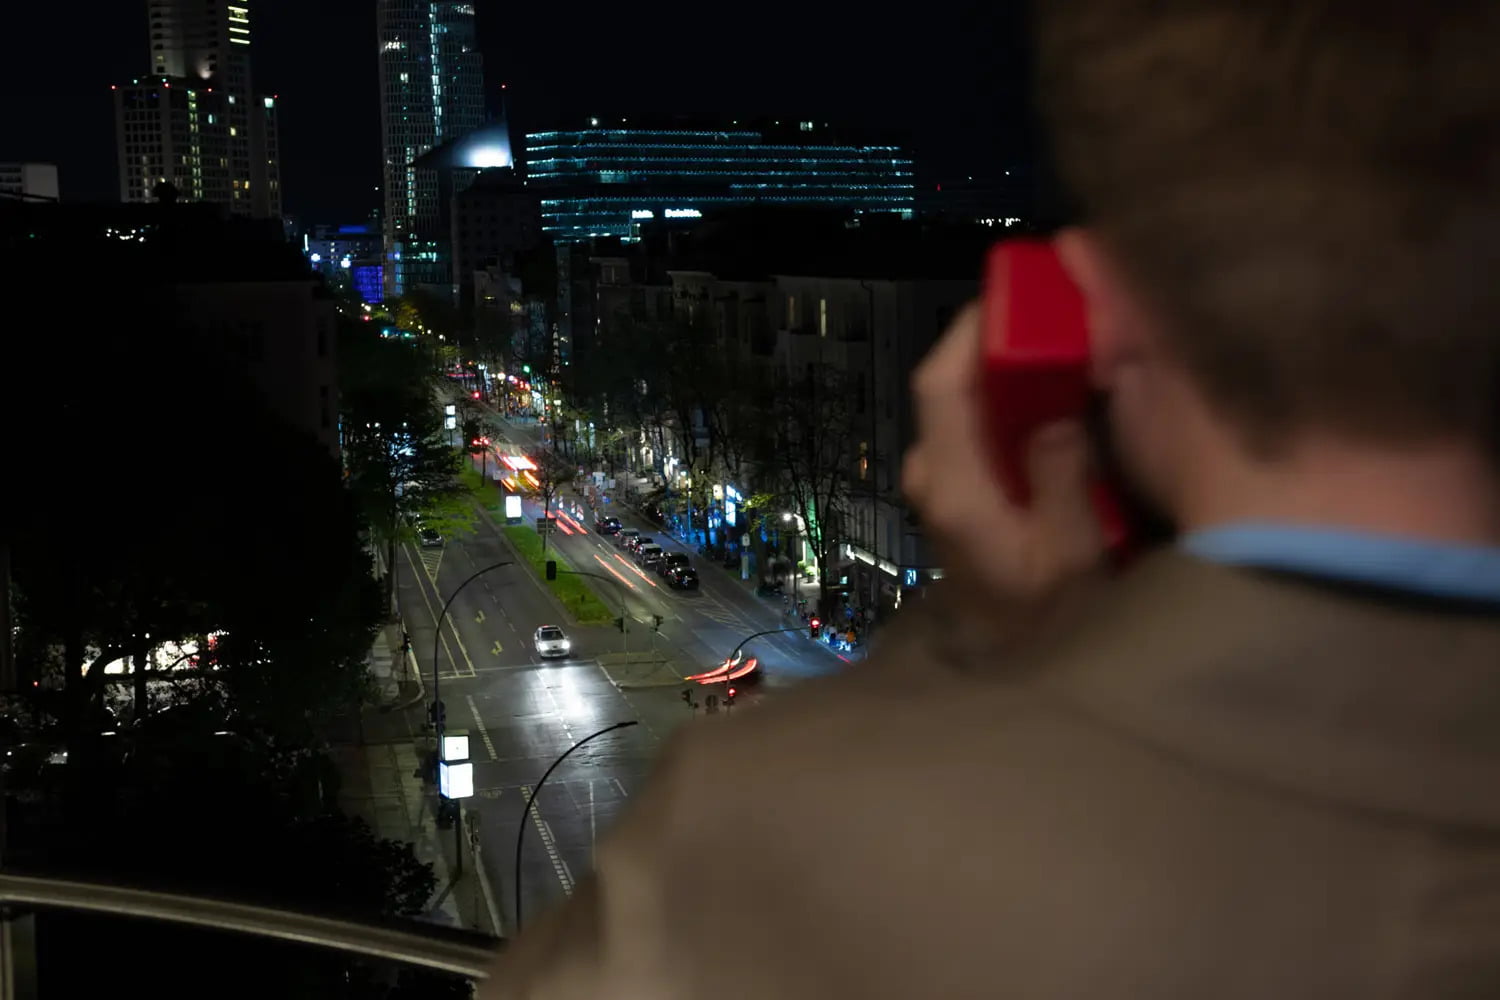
(1291, 214)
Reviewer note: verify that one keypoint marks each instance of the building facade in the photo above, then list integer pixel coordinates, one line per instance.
(785, 305)
(36, 181)
(197, 270)
(494, 218)
(173, 131)
(431, 91)
(216, 140)
(606, 179)
(349, 254)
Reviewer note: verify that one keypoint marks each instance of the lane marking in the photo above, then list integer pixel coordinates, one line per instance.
(479, 616)
(432, 613)
(484, 734)
(495, 649)
(564, 874)
(452, 627)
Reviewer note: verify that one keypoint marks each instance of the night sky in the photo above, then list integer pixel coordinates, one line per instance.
(952, 81)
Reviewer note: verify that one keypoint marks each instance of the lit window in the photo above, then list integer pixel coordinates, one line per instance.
(822, 317)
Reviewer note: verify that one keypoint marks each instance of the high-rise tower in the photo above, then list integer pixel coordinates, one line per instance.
(431, 91)
(214, 139)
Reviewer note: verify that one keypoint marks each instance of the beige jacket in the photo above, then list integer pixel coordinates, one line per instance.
(1208, 784)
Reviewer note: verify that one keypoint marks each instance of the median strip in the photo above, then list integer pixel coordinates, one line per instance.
(571, 590)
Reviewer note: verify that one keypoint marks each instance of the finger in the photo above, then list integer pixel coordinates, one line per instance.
(1058, 462)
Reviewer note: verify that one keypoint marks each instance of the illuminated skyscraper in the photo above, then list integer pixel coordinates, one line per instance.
(215, 139)
(431, 91)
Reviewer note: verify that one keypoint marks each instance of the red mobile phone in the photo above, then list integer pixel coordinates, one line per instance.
(1036, 367)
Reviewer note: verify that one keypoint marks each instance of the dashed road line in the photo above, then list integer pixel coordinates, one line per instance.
(564, 874)
(484, 734)
(458, 671)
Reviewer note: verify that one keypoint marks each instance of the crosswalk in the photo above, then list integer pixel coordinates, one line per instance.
(431, 560)
(717, 611)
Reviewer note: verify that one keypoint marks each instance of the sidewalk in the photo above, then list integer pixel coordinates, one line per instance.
(382, 784)
(782, 609)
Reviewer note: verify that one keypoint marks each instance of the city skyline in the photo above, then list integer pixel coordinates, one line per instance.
(954, 82)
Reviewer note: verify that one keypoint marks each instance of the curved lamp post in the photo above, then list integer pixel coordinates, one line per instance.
(437, 637)
(531, 799)
(439, 714)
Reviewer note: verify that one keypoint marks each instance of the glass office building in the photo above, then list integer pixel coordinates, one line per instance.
(432, 90)
(605, 180)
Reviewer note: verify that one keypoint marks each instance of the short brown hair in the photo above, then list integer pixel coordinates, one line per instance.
(1307, 192)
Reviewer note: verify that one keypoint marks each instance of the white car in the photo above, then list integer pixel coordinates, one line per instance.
(552, 641)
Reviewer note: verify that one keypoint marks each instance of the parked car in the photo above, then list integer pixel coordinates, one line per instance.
(624, 536)
(607, 525)
(670, 561)
(683, 577)
(634, 545)
(648, 555)
(552, 641)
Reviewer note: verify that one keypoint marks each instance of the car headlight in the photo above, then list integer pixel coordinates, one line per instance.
(566, 644)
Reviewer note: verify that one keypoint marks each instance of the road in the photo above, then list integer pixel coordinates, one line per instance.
(522, 713)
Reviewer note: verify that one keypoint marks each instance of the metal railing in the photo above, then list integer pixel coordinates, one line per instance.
(463, 953)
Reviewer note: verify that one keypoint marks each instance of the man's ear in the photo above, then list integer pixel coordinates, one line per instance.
(1115, 333)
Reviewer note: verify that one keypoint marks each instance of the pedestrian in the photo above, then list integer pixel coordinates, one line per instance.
(1260, 761)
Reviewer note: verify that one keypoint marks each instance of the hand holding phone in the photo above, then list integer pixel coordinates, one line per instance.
(1036, 370)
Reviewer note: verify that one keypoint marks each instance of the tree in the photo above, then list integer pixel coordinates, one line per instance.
(183, 524)
(815, 452)
(399, 462)
(553, 472)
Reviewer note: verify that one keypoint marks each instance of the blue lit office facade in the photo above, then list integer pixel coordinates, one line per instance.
(607, 181)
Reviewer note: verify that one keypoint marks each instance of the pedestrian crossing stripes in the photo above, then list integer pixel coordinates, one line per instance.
(431, 560)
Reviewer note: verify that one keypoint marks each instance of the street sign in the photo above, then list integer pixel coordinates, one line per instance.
(455, 747)
(545, 525)
(456, 780)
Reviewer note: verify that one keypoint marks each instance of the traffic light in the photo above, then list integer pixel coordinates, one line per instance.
(729, 697)
(437, 712)
(551, 569)
(405, 641)
(814, 626)
(474, 394)
(659, 619)
(687, 695)
(620, 624)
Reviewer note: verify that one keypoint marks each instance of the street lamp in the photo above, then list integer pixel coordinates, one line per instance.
(438, 712)
(531, 799)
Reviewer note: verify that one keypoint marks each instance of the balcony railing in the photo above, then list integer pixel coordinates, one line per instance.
(463, 953)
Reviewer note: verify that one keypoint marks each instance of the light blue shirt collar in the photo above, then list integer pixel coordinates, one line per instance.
(1436, 569)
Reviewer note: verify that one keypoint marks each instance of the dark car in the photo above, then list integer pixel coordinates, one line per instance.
(670, 561)
(683, 577)
(429, 537)
(607, 525)
(634, 545)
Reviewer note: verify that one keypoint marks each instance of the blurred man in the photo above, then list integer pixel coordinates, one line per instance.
(1263, 763)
